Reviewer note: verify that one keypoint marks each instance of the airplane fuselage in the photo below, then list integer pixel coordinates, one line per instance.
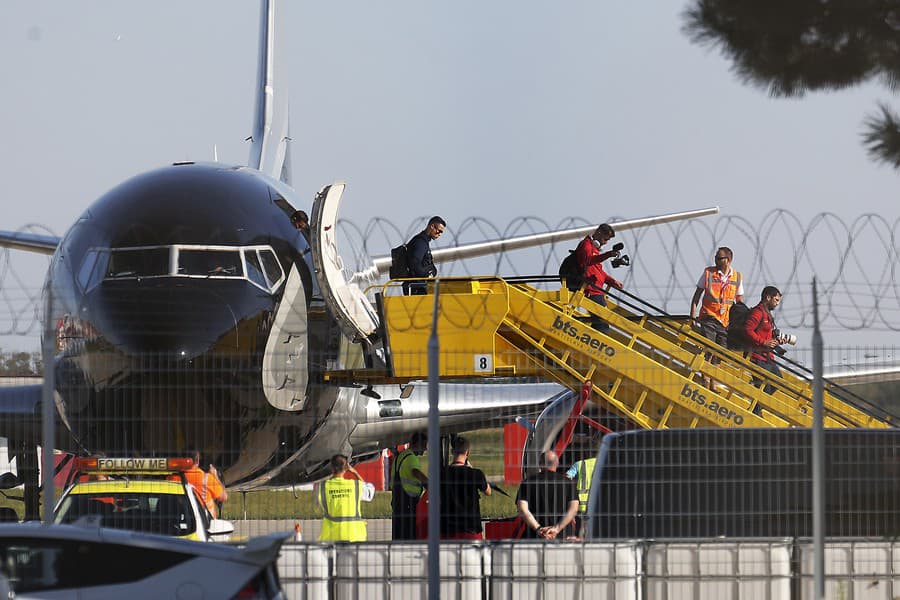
(165, 295)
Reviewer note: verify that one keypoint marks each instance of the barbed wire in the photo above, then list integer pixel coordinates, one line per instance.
(853, 262)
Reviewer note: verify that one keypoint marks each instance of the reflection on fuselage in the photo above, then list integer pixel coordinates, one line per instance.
(164, 294)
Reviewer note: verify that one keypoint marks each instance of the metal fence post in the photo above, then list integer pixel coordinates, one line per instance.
(434, 461)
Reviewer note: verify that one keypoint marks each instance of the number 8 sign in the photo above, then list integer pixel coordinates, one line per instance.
(484, 363)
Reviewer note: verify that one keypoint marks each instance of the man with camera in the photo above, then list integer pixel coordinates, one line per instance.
(590, 262)
(760, 330)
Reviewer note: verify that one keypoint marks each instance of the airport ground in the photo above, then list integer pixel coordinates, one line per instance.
(379, 530)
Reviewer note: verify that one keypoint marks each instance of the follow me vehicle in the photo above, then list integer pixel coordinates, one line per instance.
(149, 495)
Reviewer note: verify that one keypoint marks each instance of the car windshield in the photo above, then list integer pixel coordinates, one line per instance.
(166, 514)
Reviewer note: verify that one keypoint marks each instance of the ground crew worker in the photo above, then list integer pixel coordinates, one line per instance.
(340, 499)
(207, 485)
(408, 483)
(720, 287)
(583, 473)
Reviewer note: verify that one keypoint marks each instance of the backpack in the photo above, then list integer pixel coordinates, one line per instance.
(737, 317)
(571, 272)
(399, 262)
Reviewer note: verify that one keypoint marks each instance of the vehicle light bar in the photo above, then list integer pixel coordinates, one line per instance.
(151, 464)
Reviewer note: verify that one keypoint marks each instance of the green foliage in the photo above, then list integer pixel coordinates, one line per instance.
(21, 364)
(285, 504)
(486, 454)
(791, 48)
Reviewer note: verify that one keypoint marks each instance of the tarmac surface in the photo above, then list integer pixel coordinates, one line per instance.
(379, 530)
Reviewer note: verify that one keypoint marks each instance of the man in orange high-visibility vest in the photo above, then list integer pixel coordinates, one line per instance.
(207, 485)
(719, 287)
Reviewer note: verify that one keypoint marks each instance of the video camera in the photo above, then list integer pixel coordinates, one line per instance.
(620, 261)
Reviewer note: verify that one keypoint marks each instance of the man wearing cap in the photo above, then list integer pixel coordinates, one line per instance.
(406, 488)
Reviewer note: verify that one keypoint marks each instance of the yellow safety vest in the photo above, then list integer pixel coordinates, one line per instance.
(719, 295)
(585, 475)
(403, 468)
(340, 499)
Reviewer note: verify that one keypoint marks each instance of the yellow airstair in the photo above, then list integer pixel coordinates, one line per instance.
(647, 368)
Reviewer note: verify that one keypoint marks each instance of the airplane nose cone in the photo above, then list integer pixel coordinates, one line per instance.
(180, 321)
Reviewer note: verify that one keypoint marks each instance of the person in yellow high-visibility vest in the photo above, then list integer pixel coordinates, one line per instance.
(340, 499)
(408, 481)
(582, 472)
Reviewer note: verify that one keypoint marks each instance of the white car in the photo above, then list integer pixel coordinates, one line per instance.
(67, 561)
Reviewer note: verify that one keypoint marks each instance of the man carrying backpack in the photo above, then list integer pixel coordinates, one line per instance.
(418, 253)
(760, 331)
(590, 261)
(720, 287)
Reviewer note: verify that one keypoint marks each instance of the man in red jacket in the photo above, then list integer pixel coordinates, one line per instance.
(590, 261)
(759, 329)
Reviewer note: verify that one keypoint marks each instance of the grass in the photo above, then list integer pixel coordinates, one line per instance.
(282, 504)
(486, 454)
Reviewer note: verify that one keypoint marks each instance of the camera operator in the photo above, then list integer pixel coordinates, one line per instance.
(590, 262)
(760, 330)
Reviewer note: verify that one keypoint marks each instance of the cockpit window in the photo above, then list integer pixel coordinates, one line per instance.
(92, 268)
(138, 262)
(223, 263)
(271, 267)
(257, 264)
(254, 270)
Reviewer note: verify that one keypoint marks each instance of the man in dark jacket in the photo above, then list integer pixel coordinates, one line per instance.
(418, 252)
(547, 501)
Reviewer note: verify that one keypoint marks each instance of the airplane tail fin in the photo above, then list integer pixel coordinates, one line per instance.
(269, 149)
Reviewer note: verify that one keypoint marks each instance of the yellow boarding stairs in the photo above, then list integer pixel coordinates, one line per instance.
(648, 369)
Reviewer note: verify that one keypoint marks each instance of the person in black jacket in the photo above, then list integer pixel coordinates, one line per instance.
(418, 254)
(547, 501)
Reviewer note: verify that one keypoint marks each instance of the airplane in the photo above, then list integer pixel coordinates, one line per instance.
(183, 309)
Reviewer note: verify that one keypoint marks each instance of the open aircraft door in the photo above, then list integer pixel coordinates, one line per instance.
(354, 313)
(546, 430)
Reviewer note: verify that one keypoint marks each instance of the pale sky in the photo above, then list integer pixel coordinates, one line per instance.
(496, 109)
